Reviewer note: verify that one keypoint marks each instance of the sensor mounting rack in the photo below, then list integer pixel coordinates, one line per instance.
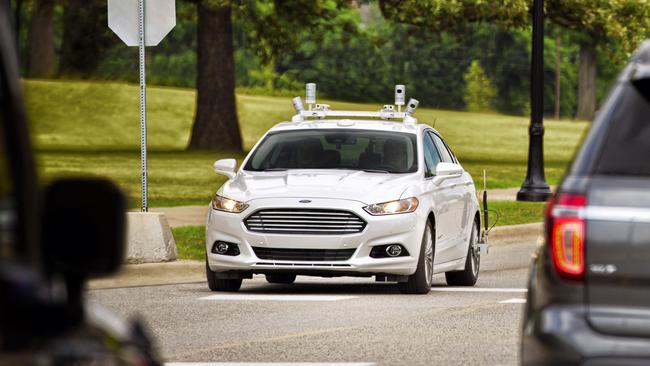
(321, 111)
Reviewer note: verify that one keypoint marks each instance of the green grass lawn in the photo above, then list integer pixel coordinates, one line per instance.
(190, 242)
(92, 128)
(514, 213)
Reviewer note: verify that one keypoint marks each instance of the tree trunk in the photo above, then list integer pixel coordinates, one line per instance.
(587, 82)
(41, 40)
(86, 37)
(215, 123)
(558, 64)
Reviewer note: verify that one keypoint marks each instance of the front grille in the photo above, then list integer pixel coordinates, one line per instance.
(304, 221)
(315, 255)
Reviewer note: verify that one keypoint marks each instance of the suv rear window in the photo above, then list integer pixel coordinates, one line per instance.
(626, 150)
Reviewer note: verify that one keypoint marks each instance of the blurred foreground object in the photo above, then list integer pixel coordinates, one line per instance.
(50, 244)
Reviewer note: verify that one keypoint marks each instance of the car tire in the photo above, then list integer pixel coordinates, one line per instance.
(221, 284)
(469, 275)
(281, 278)
(420, 281)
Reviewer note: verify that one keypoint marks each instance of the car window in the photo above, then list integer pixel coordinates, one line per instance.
(431, 156)
(336, 149)
(627, 146)
(442, 149)
(451, 153)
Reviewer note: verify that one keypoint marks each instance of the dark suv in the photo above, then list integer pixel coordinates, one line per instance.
(589, 290)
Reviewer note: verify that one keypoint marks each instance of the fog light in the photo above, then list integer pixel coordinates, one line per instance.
(394, 250)
(221, 247)
(225, 248)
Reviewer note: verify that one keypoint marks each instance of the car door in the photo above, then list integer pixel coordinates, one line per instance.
(441, 196)
(466, 184)
(458, 202)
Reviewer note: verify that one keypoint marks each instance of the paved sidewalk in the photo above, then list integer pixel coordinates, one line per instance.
(183, 215)
(504, 194)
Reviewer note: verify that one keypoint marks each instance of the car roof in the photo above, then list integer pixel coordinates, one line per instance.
(351, 124)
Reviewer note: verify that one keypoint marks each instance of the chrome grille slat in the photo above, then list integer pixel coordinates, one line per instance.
(309, 212)
(304, 221)
(284, 224)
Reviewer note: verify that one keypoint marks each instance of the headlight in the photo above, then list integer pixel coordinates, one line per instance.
(228, 205)
(393, 207)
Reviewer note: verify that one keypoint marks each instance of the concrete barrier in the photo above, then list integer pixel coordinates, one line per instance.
(149, 238)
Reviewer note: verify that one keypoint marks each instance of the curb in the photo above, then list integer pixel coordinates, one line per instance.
(502, 235)
(153, 274)
(192, 271)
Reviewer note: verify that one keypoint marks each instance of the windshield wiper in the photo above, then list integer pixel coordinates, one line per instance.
(375, 171)
(274, 170)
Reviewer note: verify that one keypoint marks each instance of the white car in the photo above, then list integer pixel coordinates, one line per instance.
(345, 197)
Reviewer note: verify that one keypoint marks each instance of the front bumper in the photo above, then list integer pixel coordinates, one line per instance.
(404, 229)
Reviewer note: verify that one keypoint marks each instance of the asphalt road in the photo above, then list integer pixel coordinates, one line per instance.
(339, 320)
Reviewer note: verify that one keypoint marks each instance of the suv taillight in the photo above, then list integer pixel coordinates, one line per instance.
(565, 234)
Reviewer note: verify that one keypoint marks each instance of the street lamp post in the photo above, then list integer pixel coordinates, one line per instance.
(535, 187)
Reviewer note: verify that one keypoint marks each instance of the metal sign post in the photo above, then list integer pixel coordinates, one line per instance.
(142, 23)
(143, 107)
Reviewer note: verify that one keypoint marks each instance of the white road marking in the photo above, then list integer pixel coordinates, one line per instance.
(261, 297)
(513, 301)
(477, 289)
(269, 363)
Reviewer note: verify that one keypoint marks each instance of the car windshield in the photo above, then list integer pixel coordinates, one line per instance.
(374, 151)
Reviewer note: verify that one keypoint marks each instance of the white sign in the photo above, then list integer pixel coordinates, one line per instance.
(159, 15)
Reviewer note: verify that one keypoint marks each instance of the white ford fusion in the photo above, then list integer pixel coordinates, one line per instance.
(341, 193)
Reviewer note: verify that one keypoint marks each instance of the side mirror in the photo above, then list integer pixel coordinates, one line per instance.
(83, 228)
(227, 167)
(447, 170)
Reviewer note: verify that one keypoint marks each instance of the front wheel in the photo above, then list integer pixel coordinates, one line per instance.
(221, 284)
(469, 275)
(420, 281)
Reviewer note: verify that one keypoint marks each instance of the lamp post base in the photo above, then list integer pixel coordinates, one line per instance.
(534, 193)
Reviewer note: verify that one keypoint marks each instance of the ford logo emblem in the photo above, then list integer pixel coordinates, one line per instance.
(305, 201)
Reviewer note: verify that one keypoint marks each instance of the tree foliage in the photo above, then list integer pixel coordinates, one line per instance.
(446, 15)
(272, 27)
(625, 22)
(479, 90)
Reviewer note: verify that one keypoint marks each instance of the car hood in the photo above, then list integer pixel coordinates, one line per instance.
(353, 185)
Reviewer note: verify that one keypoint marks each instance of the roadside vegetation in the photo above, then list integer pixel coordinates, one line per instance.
(92, 128)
